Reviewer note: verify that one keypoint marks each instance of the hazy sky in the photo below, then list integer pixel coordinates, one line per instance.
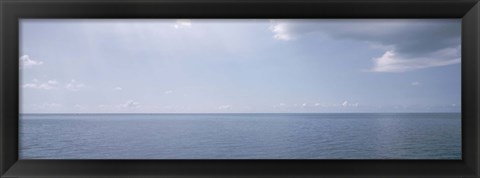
(210, 66)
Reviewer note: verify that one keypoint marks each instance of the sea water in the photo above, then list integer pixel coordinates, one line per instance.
(241, 136)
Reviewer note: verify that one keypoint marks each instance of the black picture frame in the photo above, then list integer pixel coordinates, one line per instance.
(13, 10)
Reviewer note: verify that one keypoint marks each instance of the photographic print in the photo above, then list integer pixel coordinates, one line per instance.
(240, 89)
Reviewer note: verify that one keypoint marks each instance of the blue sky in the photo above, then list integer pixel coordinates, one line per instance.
(240, 66)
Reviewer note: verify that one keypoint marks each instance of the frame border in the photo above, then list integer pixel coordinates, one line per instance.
(13, 10)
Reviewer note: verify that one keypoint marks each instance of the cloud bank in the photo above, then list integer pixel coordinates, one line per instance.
(409, 44)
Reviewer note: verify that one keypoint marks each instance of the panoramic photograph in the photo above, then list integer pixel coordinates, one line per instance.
(240, 89)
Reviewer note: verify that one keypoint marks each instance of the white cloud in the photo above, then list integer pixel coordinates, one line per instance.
(224, 107)
(49, 85)
(168, 92)
(390, 61)
(52, 82)
(415, 83)
(52, 85)
(182, 23)
(304, 105)
(281, 31)
(131, 104)
(348, 104)
(27, 62)
(73, 85)
(29, 85)
(118, 88)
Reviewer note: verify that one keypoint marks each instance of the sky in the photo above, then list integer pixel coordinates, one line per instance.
(239, 66)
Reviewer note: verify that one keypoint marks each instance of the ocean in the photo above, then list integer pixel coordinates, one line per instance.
(241, 136)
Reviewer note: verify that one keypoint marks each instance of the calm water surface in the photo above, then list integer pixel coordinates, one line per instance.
(241, 136)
